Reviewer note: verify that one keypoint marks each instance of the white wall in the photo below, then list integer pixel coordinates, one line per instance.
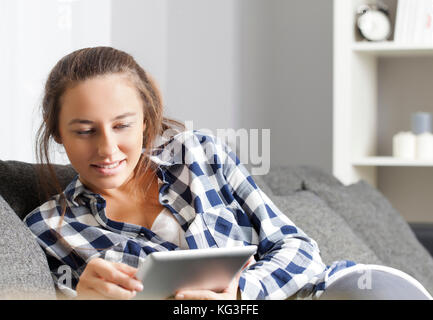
(286, 72)
(34, 35)
(140, 28)
(202, 62)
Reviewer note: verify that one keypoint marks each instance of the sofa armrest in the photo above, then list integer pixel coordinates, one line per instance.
(24, 271)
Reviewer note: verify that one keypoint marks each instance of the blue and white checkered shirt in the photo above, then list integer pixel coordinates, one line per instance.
(217, 204)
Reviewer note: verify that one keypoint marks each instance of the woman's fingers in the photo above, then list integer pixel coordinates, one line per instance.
(110, 290)
(131, 271)
(196, 295)
(103, 279)
(121, 275)
(229, 293)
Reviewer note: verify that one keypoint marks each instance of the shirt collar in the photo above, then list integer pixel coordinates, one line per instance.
(75, 188)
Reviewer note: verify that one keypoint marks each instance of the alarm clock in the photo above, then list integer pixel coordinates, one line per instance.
(373, 22)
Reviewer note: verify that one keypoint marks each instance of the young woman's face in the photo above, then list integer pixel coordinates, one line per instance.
(101, 128)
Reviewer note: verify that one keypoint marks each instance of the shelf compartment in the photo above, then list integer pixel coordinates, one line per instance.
(389, 162)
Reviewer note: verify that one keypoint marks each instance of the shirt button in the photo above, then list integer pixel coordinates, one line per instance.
(165, 201)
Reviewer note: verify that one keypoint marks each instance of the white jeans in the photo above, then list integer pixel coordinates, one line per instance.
(373, 282)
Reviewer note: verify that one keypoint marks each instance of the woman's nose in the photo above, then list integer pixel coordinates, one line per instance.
(107, 145)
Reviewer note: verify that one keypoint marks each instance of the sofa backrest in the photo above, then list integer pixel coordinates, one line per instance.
(20, 186)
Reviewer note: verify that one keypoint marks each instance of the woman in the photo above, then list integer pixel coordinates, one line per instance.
(133, 195)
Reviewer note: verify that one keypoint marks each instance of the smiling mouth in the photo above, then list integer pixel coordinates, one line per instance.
(108, 168)
(111, 165)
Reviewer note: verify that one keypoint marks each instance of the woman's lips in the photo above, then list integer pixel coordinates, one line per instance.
(109, 168)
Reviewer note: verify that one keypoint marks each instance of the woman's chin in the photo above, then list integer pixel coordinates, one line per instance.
(98, 184)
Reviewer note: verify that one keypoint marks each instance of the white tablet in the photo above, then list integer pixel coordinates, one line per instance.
(164, 273)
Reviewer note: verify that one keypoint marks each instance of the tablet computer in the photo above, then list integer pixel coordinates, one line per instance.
(164, 273)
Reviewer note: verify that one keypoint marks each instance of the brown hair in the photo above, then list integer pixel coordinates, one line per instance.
(85, 64)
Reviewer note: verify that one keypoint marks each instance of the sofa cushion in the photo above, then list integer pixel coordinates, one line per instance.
(24, 271)
(380, 226)
(285, 180)
(335, 238)
(20, 186)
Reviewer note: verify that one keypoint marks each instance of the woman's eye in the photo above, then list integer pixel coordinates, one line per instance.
(122, 126)
(85, 132)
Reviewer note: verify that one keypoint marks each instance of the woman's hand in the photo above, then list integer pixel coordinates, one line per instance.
(229, 293)
(103, 279)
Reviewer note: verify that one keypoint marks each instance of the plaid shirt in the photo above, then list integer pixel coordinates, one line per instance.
(217, 204)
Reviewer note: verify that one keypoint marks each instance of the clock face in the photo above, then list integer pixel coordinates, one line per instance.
(374, 25)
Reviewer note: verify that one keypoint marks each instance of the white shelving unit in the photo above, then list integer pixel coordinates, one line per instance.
(356, 100)
(389, 162)
(391, 49)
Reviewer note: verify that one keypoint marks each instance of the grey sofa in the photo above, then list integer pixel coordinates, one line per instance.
(348, 222)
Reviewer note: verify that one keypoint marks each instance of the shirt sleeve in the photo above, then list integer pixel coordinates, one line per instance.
(289, 262)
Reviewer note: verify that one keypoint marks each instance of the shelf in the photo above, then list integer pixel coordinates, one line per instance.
(390, 48)
(376, 87)
(389, 162)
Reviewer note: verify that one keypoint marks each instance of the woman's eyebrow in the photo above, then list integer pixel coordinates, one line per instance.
(84, 121)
